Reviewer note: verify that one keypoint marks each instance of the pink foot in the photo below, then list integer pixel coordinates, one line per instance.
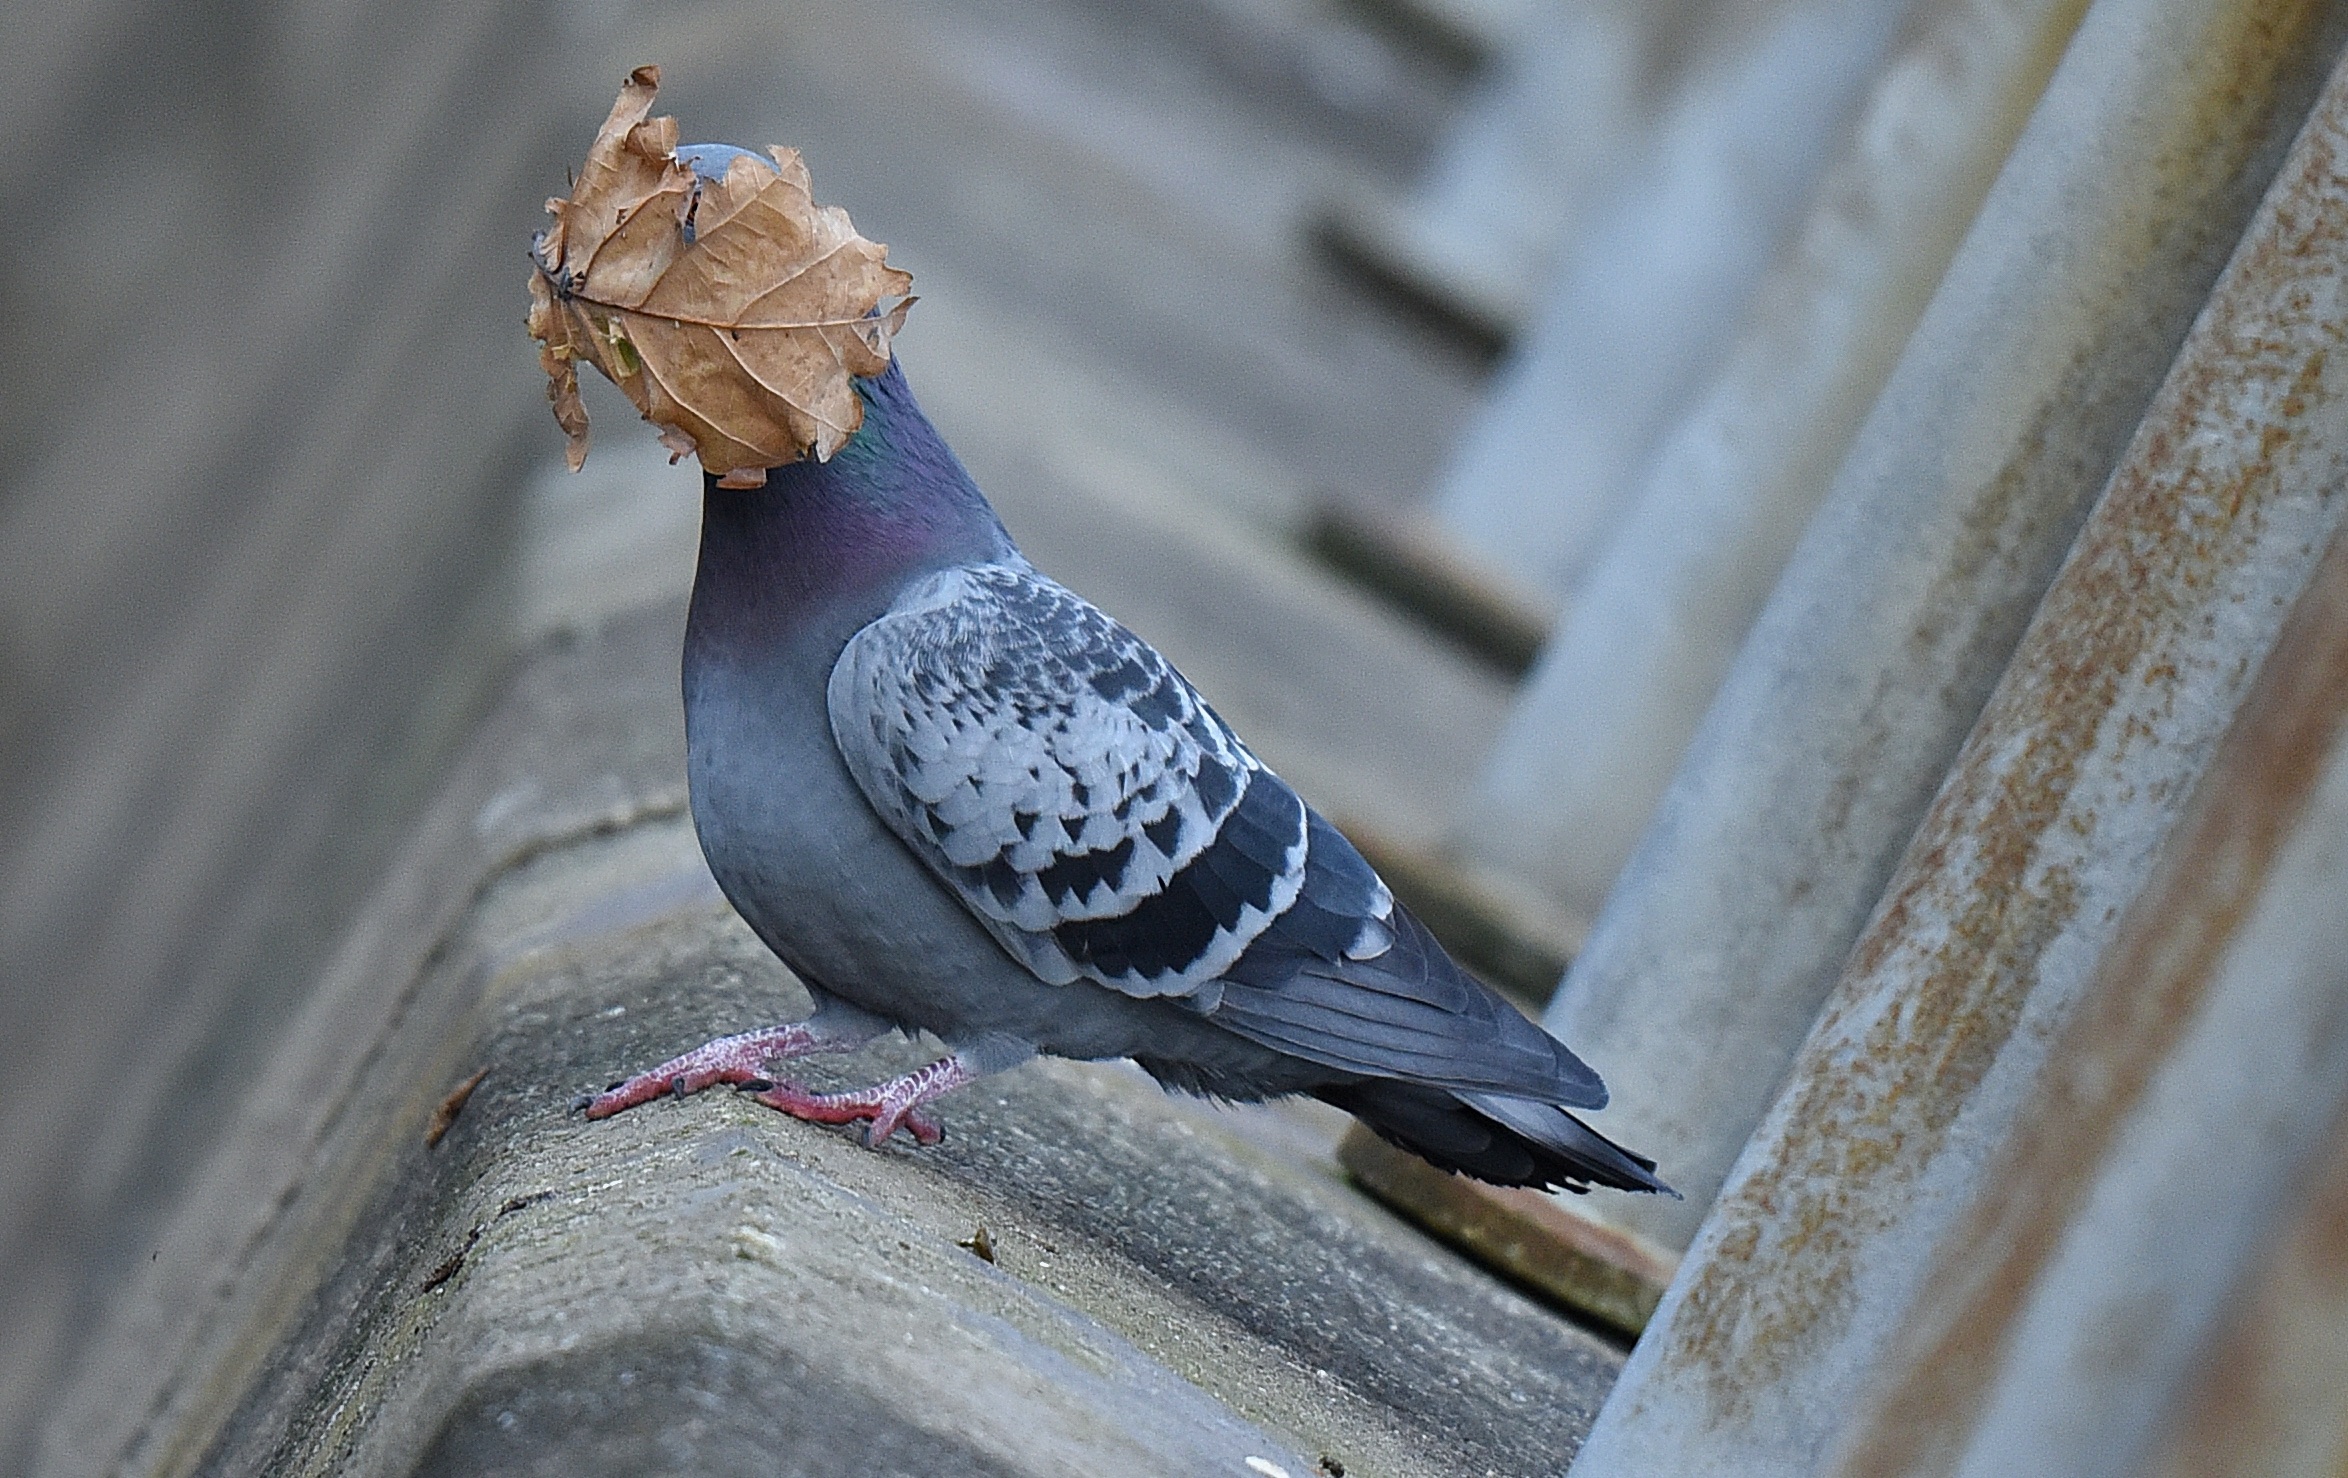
(890, 1106)
(736, 1059)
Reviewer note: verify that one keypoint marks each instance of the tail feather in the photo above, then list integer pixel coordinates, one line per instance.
(1506, 1141)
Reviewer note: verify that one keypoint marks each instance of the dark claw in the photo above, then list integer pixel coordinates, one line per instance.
(754, 1085)
(677, 1085)
(579, 1104)
(610, 1087)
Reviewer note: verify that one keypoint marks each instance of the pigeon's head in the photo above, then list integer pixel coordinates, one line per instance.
(711, 161)
(712, 270)
(882, 393)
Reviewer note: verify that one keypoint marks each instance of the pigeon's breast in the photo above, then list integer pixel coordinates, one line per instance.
(831, 890)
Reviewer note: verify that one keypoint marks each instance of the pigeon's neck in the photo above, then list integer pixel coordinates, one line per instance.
(827, 544)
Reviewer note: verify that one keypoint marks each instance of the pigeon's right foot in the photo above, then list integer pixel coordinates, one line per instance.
(888, 1106)
(735, 1059)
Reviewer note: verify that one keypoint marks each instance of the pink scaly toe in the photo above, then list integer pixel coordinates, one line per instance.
(736, 1059)
(850, 1108)
(890, 1106)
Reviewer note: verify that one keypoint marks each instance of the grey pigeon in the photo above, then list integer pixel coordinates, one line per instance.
(955, 797)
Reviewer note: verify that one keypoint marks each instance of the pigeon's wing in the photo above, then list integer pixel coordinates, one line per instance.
(1348, 978)
(1091, 810)
(1066, 782)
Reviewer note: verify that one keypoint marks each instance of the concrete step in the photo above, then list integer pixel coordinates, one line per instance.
(1171, 1288)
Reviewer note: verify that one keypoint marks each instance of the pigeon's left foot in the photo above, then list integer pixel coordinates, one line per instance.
(735, 1059)
(890, 1106)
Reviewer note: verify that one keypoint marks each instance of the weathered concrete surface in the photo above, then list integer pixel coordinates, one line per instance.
(2006, 907)
(2270, 1397)
(2064, 1318)
(1655, 280)
(2059, 318)
(1712, 518)
(260, 436)
(1175, 1288)
(1131, 205)
(176, 1334)
(1567, 93)
(599, 1277)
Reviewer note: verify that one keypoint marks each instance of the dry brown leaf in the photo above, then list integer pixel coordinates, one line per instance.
(734, 314)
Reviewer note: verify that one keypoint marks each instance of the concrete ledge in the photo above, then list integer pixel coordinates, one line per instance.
(1602, 1273)
(705, 1284)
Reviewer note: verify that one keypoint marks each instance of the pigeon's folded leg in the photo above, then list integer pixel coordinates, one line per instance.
(835, 1027)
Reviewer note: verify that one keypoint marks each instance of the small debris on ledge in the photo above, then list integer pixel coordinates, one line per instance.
(446, 1114)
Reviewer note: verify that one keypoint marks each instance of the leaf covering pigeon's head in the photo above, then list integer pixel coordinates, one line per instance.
(707, 284)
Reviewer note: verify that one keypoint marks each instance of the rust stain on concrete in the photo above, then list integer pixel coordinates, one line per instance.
(1937, 984)
(2254, 1404)
(2132, 1016)
(2211, 173)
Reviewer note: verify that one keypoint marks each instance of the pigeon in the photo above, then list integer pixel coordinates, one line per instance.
(956, 798)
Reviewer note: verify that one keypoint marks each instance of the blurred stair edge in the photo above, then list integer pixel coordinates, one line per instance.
(1599, 1274)
(1414, 567)
(1366, 240)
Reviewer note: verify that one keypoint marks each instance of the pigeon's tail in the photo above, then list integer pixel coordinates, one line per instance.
(1507, 1141)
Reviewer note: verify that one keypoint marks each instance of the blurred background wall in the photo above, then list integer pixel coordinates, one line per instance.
(1451, 387)
(269, 429)
(262, 423)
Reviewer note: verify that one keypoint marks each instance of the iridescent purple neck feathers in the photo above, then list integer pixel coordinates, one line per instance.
(825, 542)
